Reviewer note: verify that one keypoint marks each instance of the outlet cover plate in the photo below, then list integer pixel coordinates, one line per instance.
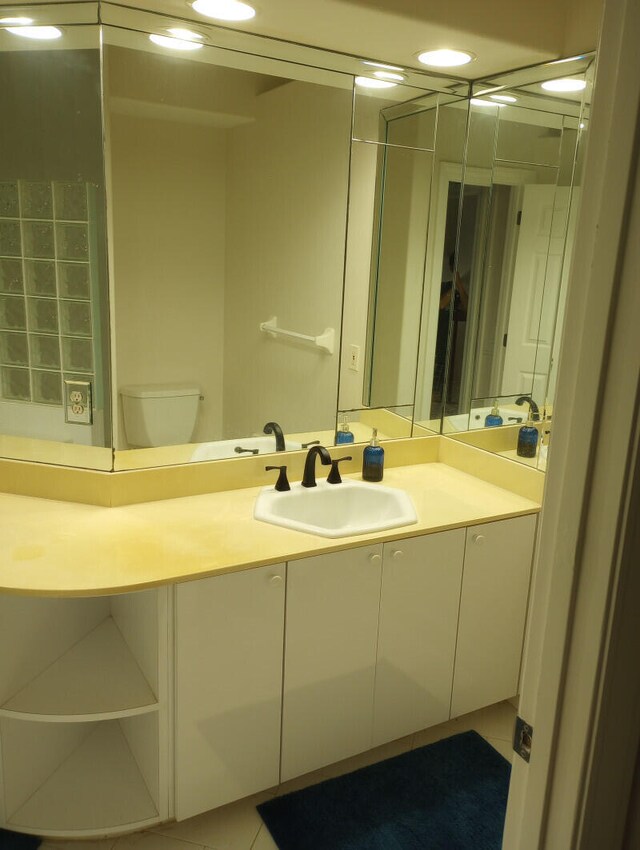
(78, 409)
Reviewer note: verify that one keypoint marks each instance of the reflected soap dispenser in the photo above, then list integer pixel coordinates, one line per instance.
(492, 419)
(527, 439)
(343, 434)
(373, 459)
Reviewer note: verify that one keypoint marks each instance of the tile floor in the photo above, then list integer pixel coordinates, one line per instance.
(238, 826)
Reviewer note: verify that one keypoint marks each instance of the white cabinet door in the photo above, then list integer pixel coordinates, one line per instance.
(330, 658)
(417, 636)
(493, 605)
(229, 644)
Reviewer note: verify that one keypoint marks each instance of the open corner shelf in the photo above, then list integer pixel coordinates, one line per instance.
(99, 787)
(96, 678)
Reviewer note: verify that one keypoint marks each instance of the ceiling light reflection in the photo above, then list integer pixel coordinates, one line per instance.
(373, 83)
(224, 10)
(37, 33)
(445, 58)
(566, 84)
(174, 43)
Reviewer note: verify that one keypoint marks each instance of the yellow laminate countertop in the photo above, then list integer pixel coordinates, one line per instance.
(55, 548)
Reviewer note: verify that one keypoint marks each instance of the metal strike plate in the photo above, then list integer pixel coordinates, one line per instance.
(522, 739)
(78, 408)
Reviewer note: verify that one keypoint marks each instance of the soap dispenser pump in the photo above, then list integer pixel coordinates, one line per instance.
(373, 459)
(492, 419)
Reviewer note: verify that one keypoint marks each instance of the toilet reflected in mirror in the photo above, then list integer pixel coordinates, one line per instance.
(159, 414)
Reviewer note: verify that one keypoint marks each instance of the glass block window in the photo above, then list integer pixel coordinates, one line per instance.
(46, 311)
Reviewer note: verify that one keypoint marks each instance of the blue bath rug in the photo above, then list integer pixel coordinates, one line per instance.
(451, 795)
(17, 841)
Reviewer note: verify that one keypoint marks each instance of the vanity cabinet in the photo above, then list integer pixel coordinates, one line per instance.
(83, 713)
(330, 657)
(419, 602)
(228, 687)
(382, 641)
(370, 640)
(493, 607)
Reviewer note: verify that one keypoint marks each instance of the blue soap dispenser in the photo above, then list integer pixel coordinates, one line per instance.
(373, 459)
(527, 439)
(343, 434)
(492, 419)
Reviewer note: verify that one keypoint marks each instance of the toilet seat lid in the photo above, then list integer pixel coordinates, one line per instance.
(159, 390)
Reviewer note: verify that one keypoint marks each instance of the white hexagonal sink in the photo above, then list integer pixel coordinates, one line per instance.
(336, 510)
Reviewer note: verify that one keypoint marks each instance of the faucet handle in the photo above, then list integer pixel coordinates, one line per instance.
(311, 443)
(282, 483)
(334, 474)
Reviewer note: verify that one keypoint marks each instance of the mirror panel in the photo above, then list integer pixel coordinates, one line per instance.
(394, 319)
(392, 196)
(452, 291)
(53, 271)
(231, 176)
(531, 219)
(229, 190)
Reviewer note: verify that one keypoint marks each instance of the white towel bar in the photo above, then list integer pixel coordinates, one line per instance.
(325, 341)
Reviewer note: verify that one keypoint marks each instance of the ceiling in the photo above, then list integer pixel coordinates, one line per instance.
(503, 34)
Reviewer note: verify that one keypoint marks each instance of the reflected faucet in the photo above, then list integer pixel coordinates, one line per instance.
(309, 477)
(274, 428)
(533, 407)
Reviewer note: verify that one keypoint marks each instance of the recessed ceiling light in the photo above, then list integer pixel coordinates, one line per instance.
(187, 35)
(382, 65)
(174, 43)
(224, 10)
(445, 58)
(566, 84)
(21, 22)
(388, 75)
(477, 102)
(373, 83)
(38, 33)
(504, 98)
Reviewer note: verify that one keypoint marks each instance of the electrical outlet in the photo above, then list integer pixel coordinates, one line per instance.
(77, 402)
(354, 357)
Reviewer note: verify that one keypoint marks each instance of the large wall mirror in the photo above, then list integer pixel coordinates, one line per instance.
(298, 242)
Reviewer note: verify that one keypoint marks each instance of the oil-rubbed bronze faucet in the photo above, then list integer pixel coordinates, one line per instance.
(274, 428)
(535, 412)
(309, 477)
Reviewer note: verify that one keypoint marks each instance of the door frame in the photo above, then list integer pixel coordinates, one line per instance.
(581, 683)
(446, 173)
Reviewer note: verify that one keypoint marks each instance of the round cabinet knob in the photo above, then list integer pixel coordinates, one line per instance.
(275, 580)
(478, 538)
(397, 555)
(374, 558)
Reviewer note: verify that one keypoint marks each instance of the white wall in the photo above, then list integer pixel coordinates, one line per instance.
(286, 217)
(168, 184)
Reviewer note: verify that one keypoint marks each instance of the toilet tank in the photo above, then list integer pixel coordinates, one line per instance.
(159, 414)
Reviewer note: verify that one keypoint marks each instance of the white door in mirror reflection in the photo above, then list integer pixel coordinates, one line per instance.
(536, 288)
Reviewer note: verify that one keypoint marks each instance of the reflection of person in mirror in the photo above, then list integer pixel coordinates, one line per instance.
(453, 286)
(461, 298)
